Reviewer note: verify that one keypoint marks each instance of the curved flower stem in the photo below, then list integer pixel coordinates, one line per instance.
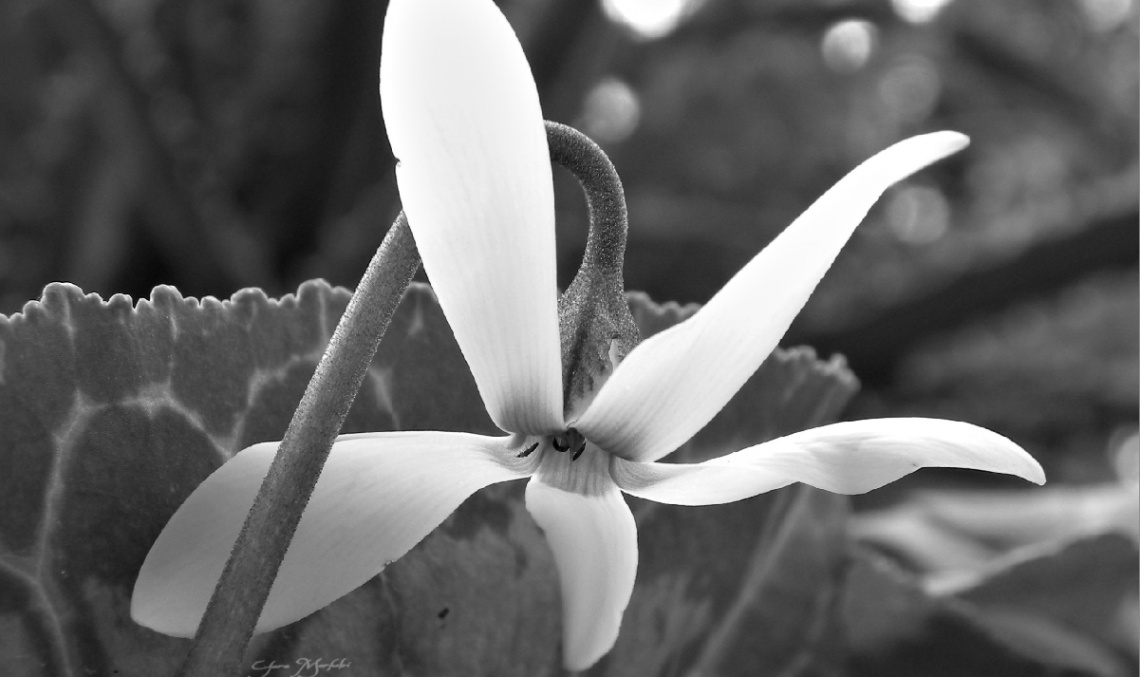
(241, 592)
(595, 325)
(605, 197)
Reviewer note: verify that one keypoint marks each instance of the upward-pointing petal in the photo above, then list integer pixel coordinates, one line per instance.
(378, 495)
(473, 168)
(672, 384)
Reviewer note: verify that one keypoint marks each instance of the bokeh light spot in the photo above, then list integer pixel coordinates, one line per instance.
(919, 11)
(1105, 15)
(650, 19)
(910, 89)
(848, 44)
(610, 112)
(918, 214)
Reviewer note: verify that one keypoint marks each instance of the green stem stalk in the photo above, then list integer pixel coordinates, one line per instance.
(605, 198)
(236, 604)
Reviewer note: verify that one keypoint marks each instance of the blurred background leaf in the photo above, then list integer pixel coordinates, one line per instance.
(1043, 615)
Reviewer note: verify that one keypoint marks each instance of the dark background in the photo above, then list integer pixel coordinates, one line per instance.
(216, 144)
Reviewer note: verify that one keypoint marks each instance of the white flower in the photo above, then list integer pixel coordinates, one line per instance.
(474, 174)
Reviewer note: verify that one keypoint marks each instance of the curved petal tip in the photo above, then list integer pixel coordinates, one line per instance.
(378, 495)
(672, 384)
(594, 541)
(950, 140)
(857, 456)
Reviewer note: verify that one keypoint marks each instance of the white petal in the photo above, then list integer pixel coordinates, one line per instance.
(473, 168)
(709, 483)
(671, 385)
(594, 541)
(378, 495)
(846, 458)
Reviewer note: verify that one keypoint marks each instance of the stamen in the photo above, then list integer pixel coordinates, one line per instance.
(528, 451)
(559, 443)
(578, 451)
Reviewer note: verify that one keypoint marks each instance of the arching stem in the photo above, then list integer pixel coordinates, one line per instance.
(595, 325)
(605, 197)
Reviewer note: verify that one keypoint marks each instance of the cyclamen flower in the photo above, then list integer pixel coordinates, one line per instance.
(474, 174)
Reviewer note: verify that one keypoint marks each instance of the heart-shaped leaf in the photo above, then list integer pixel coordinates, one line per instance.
(113, 412)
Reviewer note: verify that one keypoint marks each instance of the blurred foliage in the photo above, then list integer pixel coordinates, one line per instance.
(219, 144)
(1049, 574)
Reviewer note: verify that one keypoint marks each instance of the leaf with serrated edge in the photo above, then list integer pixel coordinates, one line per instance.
(113, 412)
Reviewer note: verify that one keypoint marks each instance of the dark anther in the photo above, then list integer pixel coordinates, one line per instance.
(578, 451)
(559, 443)
(528, 451)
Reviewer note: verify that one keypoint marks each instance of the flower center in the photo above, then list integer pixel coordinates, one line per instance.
(569, 440)
(557, 466)
(563, 442)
